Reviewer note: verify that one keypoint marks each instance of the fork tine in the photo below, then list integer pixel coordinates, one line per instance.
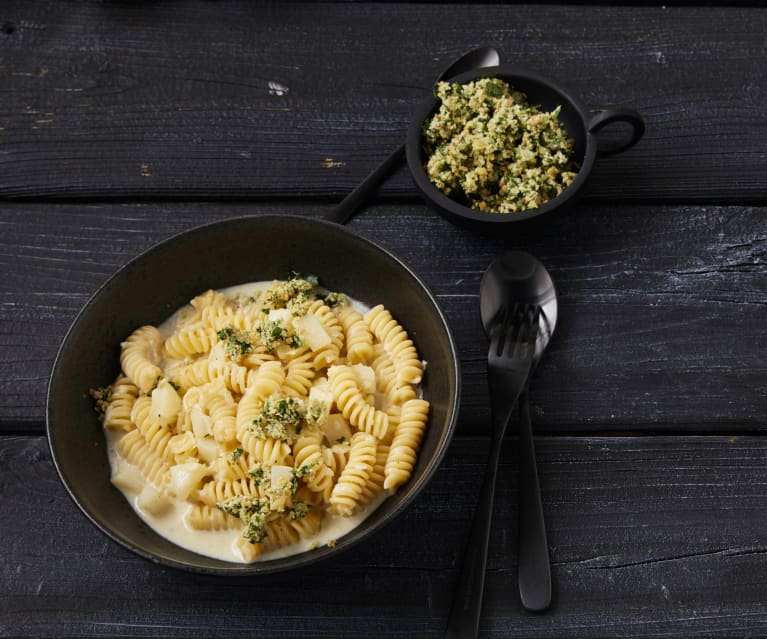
(496, 338)
(527, 330)
(534, 313)
(514, 330)
(519, 331)
(502, 335)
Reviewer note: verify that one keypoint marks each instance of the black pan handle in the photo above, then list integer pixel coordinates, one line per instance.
(609, 116)
(346, 208)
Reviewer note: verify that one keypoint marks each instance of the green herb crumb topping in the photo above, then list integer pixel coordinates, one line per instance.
(236, 342)
(488, 148)
(252, 511)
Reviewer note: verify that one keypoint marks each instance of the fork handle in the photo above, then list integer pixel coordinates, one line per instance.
(463, 622)
(534, 563)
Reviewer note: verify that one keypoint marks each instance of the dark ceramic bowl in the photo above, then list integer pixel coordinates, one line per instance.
(580, 124)
(152, 286)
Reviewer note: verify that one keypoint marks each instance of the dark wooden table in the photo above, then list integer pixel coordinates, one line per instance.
(122, 123)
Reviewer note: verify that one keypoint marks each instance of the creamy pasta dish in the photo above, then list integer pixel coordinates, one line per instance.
(264, 419)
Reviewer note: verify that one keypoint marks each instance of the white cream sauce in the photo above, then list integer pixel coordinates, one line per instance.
(220, 544)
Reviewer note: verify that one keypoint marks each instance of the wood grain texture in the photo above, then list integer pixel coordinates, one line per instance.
(649, 537)
(123, 123)
(118, 99)
(662, 309)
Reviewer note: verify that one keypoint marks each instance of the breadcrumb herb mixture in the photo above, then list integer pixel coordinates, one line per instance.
(488, 148)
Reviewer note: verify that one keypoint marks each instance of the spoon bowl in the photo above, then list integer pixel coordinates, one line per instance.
(479, 58)
(518, 277)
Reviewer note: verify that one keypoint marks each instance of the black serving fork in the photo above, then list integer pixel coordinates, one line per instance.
(509, 362)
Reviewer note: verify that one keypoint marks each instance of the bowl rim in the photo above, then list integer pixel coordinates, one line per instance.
(304, 558)
(507, 72)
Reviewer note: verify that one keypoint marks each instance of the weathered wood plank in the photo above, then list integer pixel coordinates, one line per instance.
(662, 308)
(650, 536)
(282, 99)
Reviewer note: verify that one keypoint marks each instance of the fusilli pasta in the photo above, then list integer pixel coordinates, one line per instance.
(139, 356)
(268, 412)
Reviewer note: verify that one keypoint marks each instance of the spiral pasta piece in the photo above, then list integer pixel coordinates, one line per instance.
(193, 340)
(230, 467)
(359, 338)
(352, 404)
(394, 411)
(256, 357)
(182, 447)
(134, 449)
(377, 477)
(140, 355)
(220, 313)
(218, 491)
(404, 447)
(267, 380)
(307, 451)
(234, 376)
(205, 517)
(308, 460)
(190, 375)
(265, 449)
(347, 492)
(248, 409)
(223, 413)
(117, 415)
(261, 448)
(299, 376)
(408, 367)
(335, 457)
(156, 435)
(205, 299)
(386, 377)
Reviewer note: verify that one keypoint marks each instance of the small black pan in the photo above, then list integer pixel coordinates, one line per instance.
(580, 124)
(150, 287)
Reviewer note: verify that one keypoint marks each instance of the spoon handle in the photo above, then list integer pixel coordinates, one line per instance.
(534, 563)
(346, 208)
(463, 622)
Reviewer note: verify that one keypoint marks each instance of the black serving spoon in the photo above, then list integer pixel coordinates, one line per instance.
(517, 277)
(346, 208)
